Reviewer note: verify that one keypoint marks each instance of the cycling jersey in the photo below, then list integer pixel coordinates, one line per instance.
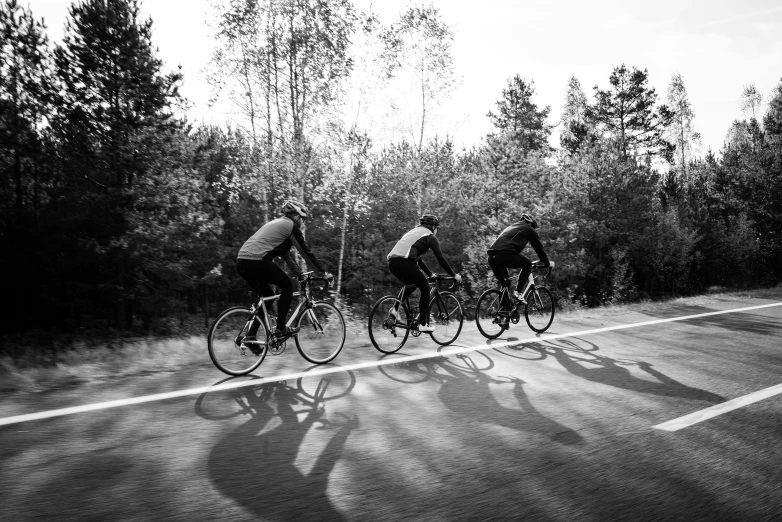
(414, 244)
(513, 239)
(276, 238)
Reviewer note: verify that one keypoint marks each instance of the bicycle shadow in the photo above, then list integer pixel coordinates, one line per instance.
(466, 391)
(586, 364)
(262, 464)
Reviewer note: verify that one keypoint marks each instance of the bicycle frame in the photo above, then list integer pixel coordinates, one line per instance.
(528, 291)
(304, 304)
(435, 294)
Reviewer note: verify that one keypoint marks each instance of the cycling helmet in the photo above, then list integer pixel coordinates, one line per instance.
(428, 220)
(529, 219)
(294, 206)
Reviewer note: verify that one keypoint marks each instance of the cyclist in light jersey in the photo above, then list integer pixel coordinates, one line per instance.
(405, 262)
(255, 262)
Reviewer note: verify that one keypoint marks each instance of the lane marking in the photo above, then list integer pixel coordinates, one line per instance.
(358, 366)
(719, 409)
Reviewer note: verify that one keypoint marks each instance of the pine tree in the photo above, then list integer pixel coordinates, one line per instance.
(519, 118)
(626, 114)
(113, 119)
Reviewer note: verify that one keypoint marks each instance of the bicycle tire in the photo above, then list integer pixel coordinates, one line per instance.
(228, 356)
(321, 334)
(486, 314)
(539, 309)
(448, 322)
(385, 337)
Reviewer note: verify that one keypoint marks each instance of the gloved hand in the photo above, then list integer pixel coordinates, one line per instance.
(458, 278)
(328, 275)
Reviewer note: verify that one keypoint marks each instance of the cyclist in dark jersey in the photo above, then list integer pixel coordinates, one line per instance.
(405, 262)
(255, 262)
(505, 252)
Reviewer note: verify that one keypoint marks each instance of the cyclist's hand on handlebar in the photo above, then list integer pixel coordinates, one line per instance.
(457, 278)
(328, 276)
(431, 277)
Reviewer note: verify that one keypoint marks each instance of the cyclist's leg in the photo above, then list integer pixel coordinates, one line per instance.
(252, 271)
(275, 275)
(407, 271)
(497, 265)
(526, 269)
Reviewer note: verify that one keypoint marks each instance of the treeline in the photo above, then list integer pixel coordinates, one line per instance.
(116, 212)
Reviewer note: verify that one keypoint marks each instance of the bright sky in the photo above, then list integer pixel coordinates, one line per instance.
(718, 46)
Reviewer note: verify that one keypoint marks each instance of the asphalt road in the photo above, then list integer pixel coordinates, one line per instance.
(560, 429)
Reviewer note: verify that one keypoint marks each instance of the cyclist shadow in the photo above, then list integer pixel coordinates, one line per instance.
(259, 464)
(466, 391)
(616, 373)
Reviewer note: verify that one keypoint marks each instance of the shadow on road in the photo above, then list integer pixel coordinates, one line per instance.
(465, 390)
(256, 464)
(579, 357)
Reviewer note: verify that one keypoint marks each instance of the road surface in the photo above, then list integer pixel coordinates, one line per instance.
(574, 424)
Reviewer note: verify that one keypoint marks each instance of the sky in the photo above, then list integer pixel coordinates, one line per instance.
(718, 47)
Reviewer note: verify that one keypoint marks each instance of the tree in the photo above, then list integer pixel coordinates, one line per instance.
(626, 114)
(113, 118)
(574, 122)
(751, 101)
(25, 95)
(681, 131)
(519, 118)
(419, 57)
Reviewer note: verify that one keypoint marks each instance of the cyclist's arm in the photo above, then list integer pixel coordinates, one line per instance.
(534, 240)
(298, 240)
(435, 246)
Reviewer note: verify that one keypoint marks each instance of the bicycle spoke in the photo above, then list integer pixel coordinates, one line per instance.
(446, 315)
(228, 344)
(321, 333)
(386, 334)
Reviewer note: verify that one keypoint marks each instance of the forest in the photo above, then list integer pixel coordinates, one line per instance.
(117, 214)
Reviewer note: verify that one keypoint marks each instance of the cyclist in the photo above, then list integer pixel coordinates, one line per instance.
(505, 252)
(405, 262)
(255, 262)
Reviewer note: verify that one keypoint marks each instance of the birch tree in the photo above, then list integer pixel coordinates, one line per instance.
(682, 131)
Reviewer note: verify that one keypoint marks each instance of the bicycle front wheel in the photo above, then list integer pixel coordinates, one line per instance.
(487, 314)
(321, 333)
(386, 332)
(539, 310)
(446, 313)
(227, 344)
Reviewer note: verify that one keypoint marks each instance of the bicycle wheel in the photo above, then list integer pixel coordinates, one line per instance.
(539, 310)
(486, 314)
(225, 341)
(388, 335)
(446, 312)
(321, 333)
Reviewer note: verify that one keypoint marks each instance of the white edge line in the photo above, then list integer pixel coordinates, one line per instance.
(719, 409)
(359, 366)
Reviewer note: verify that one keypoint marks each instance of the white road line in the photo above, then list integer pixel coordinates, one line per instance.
(719, 409)
(360, 366)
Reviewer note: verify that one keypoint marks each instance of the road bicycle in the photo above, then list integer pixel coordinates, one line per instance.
(496, 308)
(388, 333)
(320, 336)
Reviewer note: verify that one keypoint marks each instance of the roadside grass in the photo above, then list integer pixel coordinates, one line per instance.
(80, 361)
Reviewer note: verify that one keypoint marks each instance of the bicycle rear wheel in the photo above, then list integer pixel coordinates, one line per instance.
(446, 313)
(539, 310)
(388, 335)
(487, 314)
(226, 345)
(321, 333)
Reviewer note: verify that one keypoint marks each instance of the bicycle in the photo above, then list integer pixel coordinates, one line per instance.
(496, 308)
(388, 334)
(319, 339)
